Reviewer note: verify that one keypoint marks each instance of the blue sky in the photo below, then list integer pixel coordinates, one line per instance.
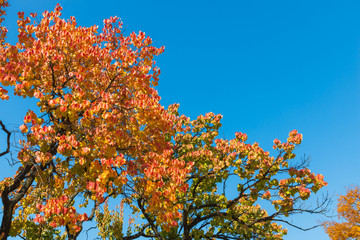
(267, 66)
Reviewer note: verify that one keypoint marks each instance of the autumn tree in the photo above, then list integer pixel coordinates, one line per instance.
(98, 125)
(210, 206)
(99, 132)
(348, 209)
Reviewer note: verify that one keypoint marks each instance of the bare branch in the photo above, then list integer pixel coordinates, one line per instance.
(7, 139)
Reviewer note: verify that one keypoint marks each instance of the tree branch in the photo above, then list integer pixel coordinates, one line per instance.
(7, 139)
(150, 221)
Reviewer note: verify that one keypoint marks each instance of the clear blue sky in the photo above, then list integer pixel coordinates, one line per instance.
(267, 66)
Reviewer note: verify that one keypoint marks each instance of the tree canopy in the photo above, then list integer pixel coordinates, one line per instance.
(348, 209)
(99, 132)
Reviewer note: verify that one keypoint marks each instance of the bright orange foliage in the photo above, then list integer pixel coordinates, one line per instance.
(101, 124)
(348, 209)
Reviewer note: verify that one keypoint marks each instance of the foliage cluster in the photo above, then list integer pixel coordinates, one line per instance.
(348, 209)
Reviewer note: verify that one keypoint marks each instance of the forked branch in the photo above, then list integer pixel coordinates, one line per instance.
(7, 139)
